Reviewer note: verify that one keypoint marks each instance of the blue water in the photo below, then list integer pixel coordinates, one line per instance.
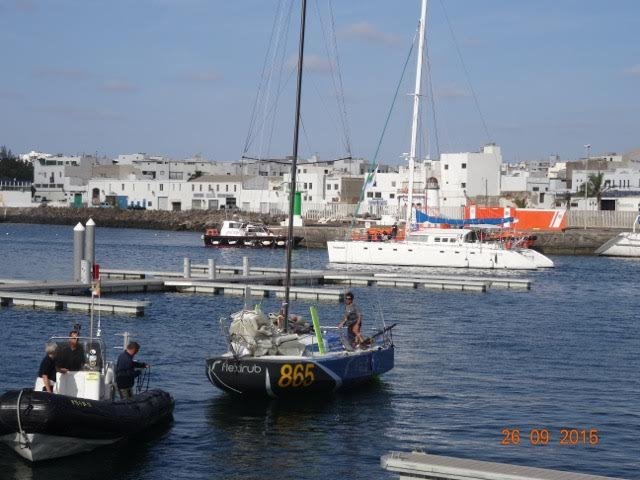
(563, 355)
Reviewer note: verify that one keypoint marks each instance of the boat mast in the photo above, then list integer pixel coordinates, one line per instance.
(416, 112)
(294, 164)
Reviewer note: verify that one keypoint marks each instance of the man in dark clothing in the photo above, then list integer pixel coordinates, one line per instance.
(126, 370)
(47, 369)
(72, 356)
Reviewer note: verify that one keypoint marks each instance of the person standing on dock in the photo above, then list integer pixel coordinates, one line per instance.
(47, 371)
(72, 356)
(126, 372)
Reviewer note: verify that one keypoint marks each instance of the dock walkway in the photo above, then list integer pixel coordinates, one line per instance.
(438, 467)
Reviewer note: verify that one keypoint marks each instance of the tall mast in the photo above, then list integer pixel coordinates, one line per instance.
(416, 112)
(294, 169)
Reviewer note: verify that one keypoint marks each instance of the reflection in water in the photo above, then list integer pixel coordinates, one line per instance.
(290, 432)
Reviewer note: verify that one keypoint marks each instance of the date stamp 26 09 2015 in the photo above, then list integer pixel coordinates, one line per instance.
(545, 436)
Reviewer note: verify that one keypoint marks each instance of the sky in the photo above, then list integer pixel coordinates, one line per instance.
(181, 77)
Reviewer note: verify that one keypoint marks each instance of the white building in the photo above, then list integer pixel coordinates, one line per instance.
(467, 175)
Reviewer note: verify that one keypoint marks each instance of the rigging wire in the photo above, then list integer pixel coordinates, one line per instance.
(373, 164)
(432, 99)
(466, 72)
(336, 73)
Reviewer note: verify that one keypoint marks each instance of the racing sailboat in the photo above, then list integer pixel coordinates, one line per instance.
(284, 358)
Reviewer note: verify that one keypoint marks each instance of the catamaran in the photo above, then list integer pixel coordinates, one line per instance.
(432, 247)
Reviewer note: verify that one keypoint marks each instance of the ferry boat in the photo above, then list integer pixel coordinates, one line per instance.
(625, 244)
(81, 413)
(236, 233)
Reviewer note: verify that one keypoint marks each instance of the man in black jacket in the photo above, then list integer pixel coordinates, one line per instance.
(126, 370)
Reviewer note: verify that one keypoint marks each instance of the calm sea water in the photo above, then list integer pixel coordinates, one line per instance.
(468, 365)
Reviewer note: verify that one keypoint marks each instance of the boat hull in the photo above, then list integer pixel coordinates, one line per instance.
(626, 244)
(418, 254)
(276, 241)
(286, 376)
(53, 425)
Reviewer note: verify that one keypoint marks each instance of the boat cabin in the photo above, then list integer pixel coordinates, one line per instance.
(95, 378)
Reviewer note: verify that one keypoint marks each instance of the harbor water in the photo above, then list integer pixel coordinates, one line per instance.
(471, 370)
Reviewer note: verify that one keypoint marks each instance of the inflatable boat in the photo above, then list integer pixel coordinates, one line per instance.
(81, 414)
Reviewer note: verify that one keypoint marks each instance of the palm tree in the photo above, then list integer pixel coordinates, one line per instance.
(595, 187)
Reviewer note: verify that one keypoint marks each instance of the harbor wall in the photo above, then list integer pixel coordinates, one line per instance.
(573, 241)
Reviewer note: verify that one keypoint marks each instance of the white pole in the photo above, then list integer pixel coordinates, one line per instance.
(78, 251)
(416, 113)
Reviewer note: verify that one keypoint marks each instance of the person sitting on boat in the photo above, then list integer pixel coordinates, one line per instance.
(71, 358)
(126, 372)
(352, 319)
(47, 371)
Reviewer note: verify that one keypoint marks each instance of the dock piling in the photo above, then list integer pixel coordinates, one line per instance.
(78, 251)
(187, 268)
(245, 266)
(212, 269)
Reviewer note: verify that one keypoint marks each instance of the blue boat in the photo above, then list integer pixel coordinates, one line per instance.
(280, 359)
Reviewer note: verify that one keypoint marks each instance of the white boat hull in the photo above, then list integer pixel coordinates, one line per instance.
(41, 446)
(626, 244)
(421, 254)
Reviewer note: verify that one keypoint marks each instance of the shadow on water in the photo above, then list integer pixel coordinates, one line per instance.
(297, 437)
(113, 461)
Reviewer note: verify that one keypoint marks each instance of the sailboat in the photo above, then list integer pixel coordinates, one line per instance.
(272, 359)
(432, 247)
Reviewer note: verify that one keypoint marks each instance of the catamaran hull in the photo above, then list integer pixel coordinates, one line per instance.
(41, 425)
(285, 376)
(625, 244)
(418, 254)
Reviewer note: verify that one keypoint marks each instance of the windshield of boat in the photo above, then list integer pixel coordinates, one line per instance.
(84, 354)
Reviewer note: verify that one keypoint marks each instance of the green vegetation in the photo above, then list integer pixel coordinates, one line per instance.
(595, 187)
(12, 168)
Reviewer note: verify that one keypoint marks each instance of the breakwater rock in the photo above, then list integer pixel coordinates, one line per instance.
(576, 241)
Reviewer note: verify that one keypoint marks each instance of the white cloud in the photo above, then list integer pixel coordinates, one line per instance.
(633, 71)
(63, 73)
(451, 92)
(117, 86)
(368, 32)
(312, 63)
(202, 76)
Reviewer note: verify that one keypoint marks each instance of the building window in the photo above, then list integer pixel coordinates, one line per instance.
(463, 185)
(123, 187)
(369, 194)
(305, 185)
(393, 184)
(446, 167)
(149, 204)
(329, 186)
(200, 187)
(536, 189)
(193, 188)
(464, 165)
(226, 188)
(235, 188)
(310, 198)
(378, 195)
(310, 186)
(326, 172)
(161, 187)
(392, 195)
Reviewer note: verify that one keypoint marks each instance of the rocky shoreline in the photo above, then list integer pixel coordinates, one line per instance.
(575, 241)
